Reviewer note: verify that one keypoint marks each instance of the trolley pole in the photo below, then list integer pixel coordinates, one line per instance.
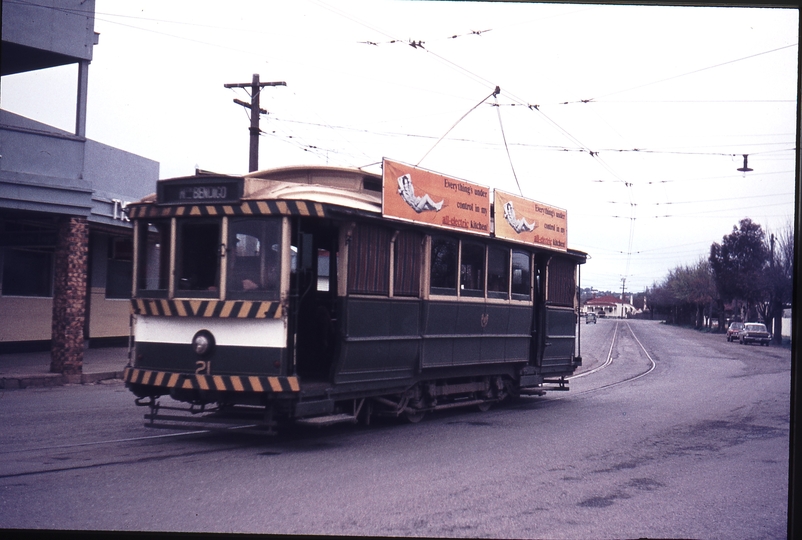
(256, 89)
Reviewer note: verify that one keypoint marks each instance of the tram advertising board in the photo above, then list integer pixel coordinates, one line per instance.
(524, 220)
(414, 194)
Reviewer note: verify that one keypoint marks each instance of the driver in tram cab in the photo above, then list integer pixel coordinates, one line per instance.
(240, 276)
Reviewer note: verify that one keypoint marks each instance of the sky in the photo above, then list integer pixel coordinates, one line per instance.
(634, 119)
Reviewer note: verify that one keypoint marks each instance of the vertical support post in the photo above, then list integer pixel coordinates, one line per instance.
(83, 93)
(255, 111)
(253, 156)
(69, 297)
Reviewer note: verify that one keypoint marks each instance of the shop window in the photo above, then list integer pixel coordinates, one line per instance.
(198, 247)
(472, 274)
(369, 260)
(119, 268)
(154, 258)
(253, 258)
(444, 266)
(406, 280)
(498, 272)
(27, 272)
(521, 275)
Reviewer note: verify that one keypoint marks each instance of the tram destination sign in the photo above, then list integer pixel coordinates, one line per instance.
(531, 222)
(200, 190)
(414, 194)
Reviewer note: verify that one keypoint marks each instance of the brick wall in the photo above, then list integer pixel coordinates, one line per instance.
(69, 296)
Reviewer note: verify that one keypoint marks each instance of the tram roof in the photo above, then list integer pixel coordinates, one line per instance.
(352, 188)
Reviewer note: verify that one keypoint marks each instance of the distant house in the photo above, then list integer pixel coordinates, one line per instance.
(610, 306)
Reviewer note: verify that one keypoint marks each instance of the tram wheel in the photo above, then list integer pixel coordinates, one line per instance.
(484, 406)
(414, 417)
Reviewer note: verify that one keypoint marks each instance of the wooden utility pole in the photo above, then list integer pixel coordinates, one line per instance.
(256, 88)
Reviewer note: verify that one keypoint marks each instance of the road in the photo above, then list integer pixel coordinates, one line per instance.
(666, 432)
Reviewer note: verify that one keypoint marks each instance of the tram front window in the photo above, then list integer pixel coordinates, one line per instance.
(254, 254)
(154, 258)
(198, 256)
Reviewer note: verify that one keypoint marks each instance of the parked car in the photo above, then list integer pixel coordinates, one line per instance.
(755, 333)
(590, 318)
(734, 330)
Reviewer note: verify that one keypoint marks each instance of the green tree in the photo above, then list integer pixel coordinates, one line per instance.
(739, 264)
(779, 278)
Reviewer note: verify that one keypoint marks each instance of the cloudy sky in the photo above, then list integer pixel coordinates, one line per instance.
(634, 119)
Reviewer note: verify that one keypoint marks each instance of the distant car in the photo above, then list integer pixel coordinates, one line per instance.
(734, 331)
(590, 318)
(755, 333)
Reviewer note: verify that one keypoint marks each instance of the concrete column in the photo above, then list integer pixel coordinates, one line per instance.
(69, 297)
(83, 97)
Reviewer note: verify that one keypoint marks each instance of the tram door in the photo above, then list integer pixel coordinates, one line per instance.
(313, 297)
(558, 323)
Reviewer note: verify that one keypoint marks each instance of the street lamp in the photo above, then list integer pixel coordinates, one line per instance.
(745, 168)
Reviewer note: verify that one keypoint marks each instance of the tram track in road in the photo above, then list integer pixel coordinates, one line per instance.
(609, 362)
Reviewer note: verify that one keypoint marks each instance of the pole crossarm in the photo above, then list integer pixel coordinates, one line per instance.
(256, 86)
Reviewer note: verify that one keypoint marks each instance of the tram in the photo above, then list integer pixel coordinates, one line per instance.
(318, 295)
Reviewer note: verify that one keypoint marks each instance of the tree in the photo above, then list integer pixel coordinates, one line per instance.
(780, 278)
(739, 264)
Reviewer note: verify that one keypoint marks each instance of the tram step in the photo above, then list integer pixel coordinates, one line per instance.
(327, 420)
(309, 408)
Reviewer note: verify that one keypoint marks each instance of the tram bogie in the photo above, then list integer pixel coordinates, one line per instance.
(300, 293)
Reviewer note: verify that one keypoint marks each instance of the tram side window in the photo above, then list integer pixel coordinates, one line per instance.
(498, 272)
(253, 257)
(561, 286)
(406, 280)
(154, 258)
(369, 260)
(444, 266)
(198, 258)
(521, 275)
(472, 274)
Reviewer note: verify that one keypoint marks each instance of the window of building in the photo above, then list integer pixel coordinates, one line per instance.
(154, 258)
(119, 268)
(498, 272)
(521, 275)
(369, 260)
(444, 266)
(27, 272)
(472, 269)
(253, 256)
(407, 256)
(198, 247)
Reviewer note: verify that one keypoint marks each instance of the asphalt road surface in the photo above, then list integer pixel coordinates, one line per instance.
(665, 432)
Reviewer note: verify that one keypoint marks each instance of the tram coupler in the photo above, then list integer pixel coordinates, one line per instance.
(562, 385)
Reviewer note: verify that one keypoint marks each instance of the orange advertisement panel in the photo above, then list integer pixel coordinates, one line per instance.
(423, 196)
(525, 220)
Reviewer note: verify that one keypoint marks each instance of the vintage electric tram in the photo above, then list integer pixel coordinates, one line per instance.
(322, 294)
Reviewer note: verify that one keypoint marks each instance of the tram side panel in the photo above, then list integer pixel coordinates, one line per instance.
(380, 340)
(472, 333)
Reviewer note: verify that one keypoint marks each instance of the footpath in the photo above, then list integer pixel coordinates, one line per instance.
(32, 369)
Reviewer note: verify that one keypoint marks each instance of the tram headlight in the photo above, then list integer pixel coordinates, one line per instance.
(203, 343)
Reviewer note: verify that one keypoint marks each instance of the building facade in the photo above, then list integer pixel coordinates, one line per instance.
(610, 306)
(65, 241)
